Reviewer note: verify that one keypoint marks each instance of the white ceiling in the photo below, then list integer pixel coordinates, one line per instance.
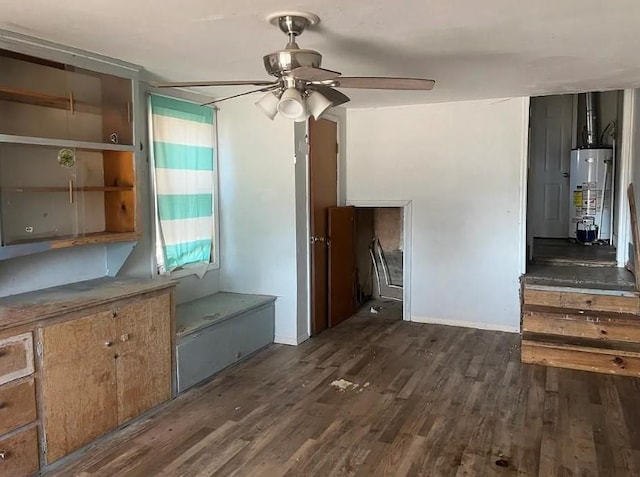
(473, 49)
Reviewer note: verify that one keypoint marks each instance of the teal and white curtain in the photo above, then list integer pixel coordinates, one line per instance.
(183, 136)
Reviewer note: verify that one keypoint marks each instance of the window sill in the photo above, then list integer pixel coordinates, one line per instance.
(185, 272)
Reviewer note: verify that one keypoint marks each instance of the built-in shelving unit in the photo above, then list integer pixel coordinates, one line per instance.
(67, 174)
(47, 100)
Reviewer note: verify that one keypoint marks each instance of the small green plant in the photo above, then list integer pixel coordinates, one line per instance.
(66, 158)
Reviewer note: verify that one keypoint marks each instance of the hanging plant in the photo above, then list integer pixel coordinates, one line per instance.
(66, 158)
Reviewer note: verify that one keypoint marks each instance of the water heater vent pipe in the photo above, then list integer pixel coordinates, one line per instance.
(593, 137)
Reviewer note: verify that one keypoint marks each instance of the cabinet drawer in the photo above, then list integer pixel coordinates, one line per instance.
(16, 357)
(19, 454)
(17, 405)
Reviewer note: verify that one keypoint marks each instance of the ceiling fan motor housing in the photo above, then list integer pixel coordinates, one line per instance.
(292, 24)
(282, 62)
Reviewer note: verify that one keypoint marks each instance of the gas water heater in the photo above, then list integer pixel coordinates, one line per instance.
(592, 170)
(591, 201)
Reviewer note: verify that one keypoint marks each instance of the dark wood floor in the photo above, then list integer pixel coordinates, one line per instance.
(562, 251)
(427, 400)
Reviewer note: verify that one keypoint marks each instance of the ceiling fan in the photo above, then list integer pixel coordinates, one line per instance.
(302, 88)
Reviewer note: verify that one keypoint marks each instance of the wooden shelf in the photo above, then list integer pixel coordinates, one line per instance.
(46, 100)
(98, 237)
(70, 241)
(82, 145)
(66, 189)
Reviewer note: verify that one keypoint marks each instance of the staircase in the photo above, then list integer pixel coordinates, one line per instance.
(581, 318)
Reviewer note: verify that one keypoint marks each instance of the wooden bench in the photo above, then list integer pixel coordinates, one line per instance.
(218, 330)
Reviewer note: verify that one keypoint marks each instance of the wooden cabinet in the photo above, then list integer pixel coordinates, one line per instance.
(76, 362)
(144, 356)
(102, 370)
(67, 174)
(78, 382)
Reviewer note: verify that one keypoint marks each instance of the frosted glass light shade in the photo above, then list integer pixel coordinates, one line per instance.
(291, 105)
(269, 105)
(317, 104)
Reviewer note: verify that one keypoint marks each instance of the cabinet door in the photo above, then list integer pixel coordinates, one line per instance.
(39, 192)
(34, 99)
(144, 355)
(78, 382)
(101, 107)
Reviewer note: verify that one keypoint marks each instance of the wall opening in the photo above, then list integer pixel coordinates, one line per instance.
(380, 261)
(574, 151)
(574, 212)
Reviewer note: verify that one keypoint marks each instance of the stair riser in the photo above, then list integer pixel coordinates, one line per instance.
(582, 301)
(579, 326)
(586, 359)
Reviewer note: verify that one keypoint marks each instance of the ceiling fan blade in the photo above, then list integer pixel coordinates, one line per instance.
(307, 73)
(336, 97)
(261, 90)
(187, 84)
(374, 82)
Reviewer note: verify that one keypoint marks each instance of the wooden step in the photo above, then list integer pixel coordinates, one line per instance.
(581, 299)
(573, 324)
(580, 357)
(575, 262)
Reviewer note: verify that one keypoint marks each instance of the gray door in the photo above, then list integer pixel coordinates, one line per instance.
(550, 158)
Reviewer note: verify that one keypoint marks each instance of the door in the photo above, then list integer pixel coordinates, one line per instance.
(550, 158)
(342, 264)
(323, 185)
(78, 382)
(144, 355)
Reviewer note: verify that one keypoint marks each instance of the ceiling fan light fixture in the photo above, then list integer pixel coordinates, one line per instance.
(268, 104)
(317, 104)
(291, 104)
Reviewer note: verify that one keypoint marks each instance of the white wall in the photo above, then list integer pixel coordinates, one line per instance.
(633, 118)
(258, 209)
(462, 166)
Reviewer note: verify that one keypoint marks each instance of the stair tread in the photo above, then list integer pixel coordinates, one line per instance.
(602, 278)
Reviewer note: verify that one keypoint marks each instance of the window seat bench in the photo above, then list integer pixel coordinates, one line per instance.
(218, 330)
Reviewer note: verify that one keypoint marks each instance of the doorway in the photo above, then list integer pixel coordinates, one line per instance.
(573, 177)
(379, 249)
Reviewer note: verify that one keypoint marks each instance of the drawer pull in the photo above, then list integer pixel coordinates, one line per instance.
(125, 337)
(114, 313)
(3, 405)
(108, 344)
(3, 455)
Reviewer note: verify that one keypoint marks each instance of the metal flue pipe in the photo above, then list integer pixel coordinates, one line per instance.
(593, 133)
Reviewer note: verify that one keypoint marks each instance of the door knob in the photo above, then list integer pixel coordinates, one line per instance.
(316, 239)
(565, 174)
(3, 455)
(108, 344)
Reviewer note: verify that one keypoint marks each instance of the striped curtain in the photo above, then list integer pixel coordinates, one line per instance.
(183, 136)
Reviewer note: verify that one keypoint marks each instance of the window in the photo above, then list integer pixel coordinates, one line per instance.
(184, 170)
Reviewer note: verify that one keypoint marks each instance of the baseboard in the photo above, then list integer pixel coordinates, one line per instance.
(285, 340)
(291, 341)
(466, 324)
